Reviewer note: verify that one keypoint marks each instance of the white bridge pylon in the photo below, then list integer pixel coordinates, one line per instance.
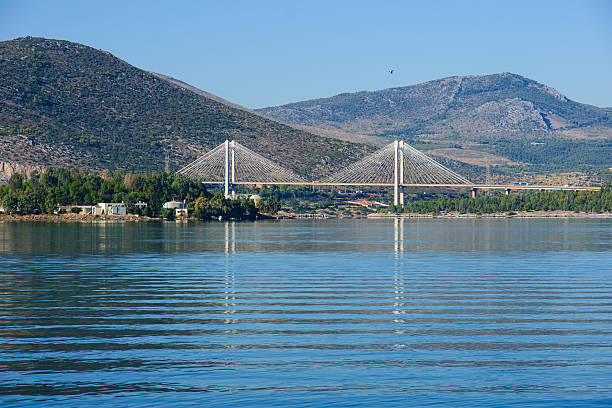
(231, 163)
(396, 164)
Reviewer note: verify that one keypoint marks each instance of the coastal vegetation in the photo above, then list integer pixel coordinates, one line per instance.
(48, 191)
(351, 202)
(577, 201)
(57, 189)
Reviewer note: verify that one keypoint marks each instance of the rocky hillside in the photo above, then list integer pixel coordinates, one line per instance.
(502, 119)
(66, 104)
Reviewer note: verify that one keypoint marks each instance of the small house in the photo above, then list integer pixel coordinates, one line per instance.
(169, 205)
(111, 209)
(141, 205)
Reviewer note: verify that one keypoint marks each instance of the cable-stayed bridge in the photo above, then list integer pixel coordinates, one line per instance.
(396, 165)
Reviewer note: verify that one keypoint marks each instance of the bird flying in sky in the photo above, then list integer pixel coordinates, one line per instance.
(391, 71)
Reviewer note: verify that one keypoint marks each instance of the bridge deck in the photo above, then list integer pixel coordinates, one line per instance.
(460, 186)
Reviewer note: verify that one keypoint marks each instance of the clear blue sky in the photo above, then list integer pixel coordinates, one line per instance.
(263, 53)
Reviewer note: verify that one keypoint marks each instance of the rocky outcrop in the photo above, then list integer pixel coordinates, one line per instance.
(7, 169)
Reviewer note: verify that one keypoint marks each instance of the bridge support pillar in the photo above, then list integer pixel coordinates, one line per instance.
(395, 173)
(398, 173)
(232, 147)
(230, 168)
(226, 168)
(401, 173)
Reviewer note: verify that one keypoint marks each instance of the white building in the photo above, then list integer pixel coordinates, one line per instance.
(168, 205)
(110, 209)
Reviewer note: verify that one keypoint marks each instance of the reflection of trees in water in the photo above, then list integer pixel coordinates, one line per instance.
(111, 237)
(358, 235)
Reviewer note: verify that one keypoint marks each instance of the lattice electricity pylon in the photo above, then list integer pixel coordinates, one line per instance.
(231, 163)
(398, 164)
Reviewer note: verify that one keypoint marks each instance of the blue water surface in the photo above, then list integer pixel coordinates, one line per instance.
(315, 313)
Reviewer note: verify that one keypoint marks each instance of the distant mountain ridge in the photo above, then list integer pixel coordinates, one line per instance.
(501, 120)
(468, 107)
(67, 104)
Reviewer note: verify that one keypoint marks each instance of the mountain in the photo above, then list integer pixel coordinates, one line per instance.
(67, 104)
(501, 119)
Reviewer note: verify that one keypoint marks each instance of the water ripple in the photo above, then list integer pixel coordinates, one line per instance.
(430, 313)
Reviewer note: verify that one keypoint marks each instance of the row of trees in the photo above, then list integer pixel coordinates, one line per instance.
(43, 192)
(587, 201)
(555, 155)
(219, 206)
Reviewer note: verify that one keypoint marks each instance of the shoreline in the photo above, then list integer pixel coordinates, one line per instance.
(73, 218)
(100, 218)
(134, 218)
(510, 214)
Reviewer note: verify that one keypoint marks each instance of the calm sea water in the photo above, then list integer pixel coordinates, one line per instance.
(360, 313)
